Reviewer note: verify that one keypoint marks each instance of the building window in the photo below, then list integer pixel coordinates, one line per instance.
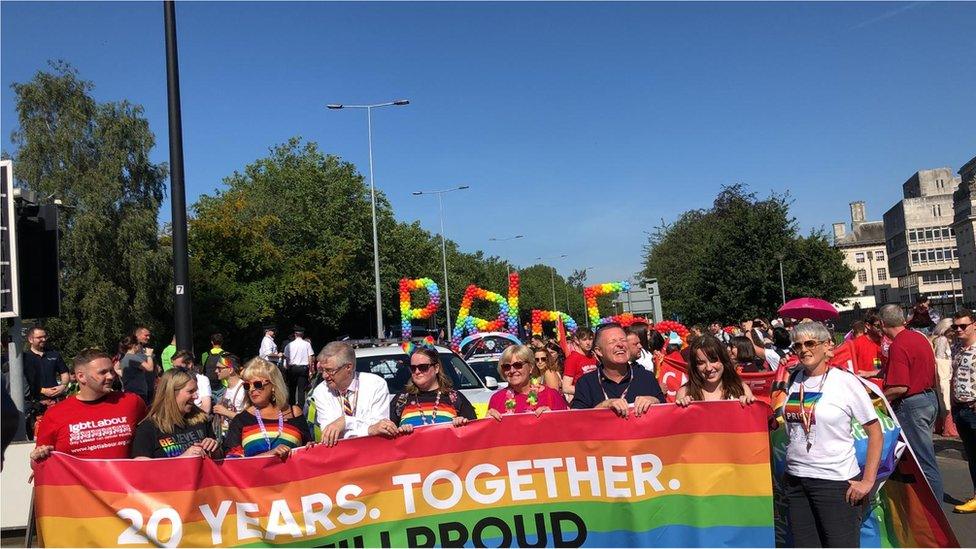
(883, 295)
(859, 257)
(882, 273)
(862, 276)
(879, 256)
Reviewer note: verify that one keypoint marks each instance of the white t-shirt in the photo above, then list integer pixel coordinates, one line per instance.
(267, 348)
(297, 352)
(203, 390)
(836, 398)
(772, 358)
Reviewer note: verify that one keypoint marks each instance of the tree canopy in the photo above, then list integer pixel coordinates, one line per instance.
(723, 263)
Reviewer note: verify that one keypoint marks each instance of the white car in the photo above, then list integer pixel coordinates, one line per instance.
(486, 366)
(392, 364)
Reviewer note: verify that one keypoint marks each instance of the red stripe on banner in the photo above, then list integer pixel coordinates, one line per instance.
(595, 427)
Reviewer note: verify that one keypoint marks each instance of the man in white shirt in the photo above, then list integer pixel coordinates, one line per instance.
(349, 404)
(299, 355)
(268, 349)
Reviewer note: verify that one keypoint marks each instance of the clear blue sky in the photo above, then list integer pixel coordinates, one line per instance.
(579, 125)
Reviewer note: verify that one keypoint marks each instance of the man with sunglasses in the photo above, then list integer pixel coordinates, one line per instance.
(617, 382)
(909, 384)
(349, 404)
(963, 391)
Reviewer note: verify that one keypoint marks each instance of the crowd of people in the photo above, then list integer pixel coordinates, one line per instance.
(126, 405)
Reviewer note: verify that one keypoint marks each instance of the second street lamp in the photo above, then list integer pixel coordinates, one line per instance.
(372, 199)
(493, 239)
(440, 207)
(552, 276)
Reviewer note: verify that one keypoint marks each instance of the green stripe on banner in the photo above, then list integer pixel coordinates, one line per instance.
(600, 516)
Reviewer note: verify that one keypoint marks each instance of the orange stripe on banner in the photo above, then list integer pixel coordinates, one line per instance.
(713, 448)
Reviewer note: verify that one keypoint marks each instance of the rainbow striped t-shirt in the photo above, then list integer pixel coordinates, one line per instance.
(245, 439)
(419, 409)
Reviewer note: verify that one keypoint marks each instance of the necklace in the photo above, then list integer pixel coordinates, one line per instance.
(806, 417)
(532, 398)
(264, 432)
(623, 395)
(433, 413)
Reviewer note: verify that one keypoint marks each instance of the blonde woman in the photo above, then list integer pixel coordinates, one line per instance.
(268, 425)
(525, 392)
(175, 426)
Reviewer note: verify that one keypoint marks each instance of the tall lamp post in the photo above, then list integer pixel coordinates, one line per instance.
(552, 276)
(782, 284)
(587, 317)
(440, 208)
(493, 239)
(372, 198)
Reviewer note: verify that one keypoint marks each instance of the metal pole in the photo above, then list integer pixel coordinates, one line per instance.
(952, 288)
(183, 315)
(447, 292)
(552, 278)
(782, 284)
(15, 362)
(376, 244)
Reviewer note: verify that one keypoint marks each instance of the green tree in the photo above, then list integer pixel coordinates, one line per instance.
(94, 156)
(723, 263)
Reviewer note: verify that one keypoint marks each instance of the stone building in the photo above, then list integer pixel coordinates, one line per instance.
(921, 241)
(865, 253)
(964, 224)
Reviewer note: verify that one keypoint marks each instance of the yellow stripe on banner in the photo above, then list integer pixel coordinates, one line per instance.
(700, 479)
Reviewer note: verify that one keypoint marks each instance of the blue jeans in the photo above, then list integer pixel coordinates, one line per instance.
(965, 420)
(917, 414)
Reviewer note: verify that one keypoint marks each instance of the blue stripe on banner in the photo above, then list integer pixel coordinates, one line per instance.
(673, 535)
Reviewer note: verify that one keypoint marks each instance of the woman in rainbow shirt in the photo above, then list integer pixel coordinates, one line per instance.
(268, 426)
(526, 391)
(429, 397)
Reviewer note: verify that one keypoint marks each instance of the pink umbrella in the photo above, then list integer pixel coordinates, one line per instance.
(808, 307)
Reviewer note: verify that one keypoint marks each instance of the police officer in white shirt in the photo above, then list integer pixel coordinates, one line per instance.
(350, 403)
(299, 355)
(268, 349)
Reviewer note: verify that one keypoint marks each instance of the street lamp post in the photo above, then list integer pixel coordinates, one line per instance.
(552, 276)
(493, 239)
(782, 284)
(440, 208)
(372, 199)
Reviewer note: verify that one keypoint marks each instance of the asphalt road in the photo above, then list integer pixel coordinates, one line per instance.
(958, 488)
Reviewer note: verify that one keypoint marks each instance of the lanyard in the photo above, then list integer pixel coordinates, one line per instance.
(806, 418)
(622, 395)
(281, 427)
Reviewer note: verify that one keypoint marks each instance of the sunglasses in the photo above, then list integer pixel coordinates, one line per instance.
(513, 366)
(257, 385)
(961, 327)
(540, 359)
(422, 368)
(808, 345)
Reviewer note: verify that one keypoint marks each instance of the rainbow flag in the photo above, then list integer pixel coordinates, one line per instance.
(696, 476)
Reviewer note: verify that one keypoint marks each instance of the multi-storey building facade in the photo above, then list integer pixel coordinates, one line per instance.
(921, 241)
(964, 225)
(865, 253)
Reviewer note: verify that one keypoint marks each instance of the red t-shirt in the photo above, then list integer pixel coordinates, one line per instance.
(578, 364)
(867, 353)
(911, 363)
(103, 428)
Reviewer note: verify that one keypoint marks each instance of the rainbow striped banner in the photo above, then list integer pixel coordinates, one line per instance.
(696, 476)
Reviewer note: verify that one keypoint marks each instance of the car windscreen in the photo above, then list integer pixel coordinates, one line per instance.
(394, 368)
(486, 368)
(487, 345)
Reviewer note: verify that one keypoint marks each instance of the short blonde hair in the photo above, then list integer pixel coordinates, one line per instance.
(516, 353)
(258, 367)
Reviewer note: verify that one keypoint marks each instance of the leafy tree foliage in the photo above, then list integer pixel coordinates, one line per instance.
(95, 158)
(723, 263)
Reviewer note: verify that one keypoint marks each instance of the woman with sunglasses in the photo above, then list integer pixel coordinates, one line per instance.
(711, 375)
(825, 488)
(269, 425)
(546, 362)
(525, 392)
(429, 397)
(175, 425)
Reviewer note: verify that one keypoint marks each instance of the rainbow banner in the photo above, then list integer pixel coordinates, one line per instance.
(696, 476)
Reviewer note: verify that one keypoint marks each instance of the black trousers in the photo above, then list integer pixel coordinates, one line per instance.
(819, 514)
(297, 380)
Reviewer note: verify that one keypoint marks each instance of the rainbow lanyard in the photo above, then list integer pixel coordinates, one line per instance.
(806, 418)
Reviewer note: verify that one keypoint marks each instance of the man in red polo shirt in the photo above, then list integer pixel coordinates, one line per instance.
(867, 347)
(95, 423)
(909, 384)
(578, 364)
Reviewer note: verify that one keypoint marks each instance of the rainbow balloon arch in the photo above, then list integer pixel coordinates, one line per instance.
(508, 311)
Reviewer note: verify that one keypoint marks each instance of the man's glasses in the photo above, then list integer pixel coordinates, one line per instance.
(330, 372)
(513, 365)
(961, 327)
(808, 345)
(422, 368)
(257, 385)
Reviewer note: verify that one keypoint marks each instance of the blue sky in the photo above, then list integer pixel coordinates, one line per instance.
(579, 125)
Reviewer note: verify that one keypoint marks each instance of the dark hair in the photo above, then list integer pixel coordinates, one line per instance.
(656, 341)
(584, 333)
(188, 360)
(231, 360)
(639, 329)
(34, 328)
(744, 349)
(445, 385)
(714, 350)
(858, 327)
(871, 318)
(922, 299)
(87, 356)
(781, 337)
(217, 338)
(964, 313)
(125, 344)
